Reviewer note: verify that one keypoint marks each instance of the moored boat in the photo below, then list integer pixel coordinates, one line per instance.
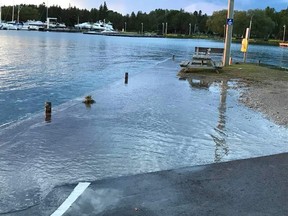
(284, 44)
(97, 27)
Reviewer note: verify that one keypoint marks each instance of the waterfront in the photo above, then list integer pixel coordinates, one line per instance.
(40, 66)
(154, 123)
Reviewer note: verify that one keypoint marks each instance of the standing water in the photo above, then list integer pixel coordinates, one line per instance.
(156, 122)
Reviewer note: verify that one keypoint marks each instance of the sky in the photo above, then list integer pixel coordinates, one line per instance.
(127, 6)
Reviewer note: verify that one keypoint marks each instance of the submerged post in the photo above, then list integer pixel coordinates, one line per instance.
(229, 32)
(126, 78)
(48, 111)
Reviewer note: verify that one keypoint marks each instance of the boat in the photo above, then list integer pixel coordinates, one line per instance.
(97, 27)
(33, 25)
(283, 44)
(85, 25)
(8, 26)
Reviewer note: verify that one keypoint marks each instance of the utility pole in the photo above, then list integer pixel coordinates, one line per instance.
(229, 32)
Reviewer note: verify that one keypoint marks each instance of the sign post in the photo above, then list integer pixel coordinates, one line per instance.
(229, 31)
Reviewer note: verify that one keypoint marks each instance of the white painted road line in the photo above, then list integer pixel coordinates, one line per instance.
(78, 190)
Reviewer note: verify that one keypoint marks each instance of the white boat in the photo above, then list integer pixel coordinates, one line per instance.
(284, 44)
(8, 26)
(85, 25)
(99, 26)
(32, 25)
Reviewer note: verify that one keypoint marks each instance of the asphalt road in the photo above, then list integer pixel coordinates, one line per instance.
(256, 186)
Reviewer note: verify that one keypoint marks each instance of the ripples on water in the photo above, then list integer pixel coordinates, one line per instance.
(156, 122)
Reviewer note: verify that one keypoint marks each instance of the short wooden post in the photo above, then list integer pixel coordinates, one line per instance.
(259, 62)
(173, 57)
(230, 61)
(126, 78)
(48, 111)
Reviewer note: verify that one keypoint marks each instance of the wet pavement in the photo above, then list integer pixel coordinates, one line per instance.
(256, 186)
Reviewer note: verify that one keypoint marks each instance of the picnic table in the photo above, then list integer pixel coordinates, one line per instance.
(202, 59)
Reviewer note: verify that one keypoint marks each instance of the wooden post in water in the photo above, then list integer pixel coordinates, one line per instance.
(126, 78)
(48, 111)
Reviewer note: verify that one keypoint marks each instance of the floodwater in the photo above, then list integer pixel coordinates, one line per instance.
(156, 122)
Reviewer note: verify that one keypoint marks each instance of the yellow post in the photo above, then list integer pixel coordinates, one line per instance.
(245, 42)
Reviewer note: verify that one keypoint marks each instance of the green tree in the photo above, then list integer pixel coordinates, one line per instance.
(216, 22)
(241, 23)
(262, 26)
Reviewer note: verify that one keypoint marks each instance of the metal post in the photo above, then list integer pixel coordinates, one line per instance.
(284, 33)
(166, 28)
(18, 14)
(250, 27)
(13, 11)
(229, 32)
(47, 15)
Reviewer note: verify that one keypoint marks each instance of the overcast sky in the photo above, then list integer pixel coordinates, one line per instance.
(127, 6)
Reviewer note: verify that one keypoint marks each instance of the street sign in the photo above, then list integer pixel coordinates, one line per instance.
(230, 22)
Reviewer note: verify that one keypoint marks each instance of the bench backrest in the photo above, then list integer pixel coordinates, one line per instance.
(208, 50)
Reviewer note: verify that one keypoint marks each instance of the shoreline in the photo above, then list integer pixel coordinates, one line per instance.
(263, 89)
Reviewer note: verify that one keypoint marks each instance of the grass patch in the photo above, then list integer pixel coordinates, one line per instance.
(251, 72)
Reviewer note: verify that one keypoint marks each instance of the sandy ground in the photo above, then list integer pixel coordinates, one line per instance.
(263, 89)
(269, 98)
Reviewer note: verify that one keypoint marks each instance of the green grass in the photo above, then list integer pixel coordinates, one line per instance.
(252, 72)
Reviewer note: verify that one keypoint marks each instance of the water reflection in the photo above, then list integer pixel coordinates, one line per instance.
(221, 146)
(200, 84)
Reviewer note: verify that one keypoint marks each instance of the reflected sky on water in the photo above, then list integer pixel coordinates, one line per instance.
(43, 66)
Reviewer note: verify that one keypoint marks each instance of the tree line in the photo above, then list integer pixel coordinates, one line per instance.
(266, 23)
